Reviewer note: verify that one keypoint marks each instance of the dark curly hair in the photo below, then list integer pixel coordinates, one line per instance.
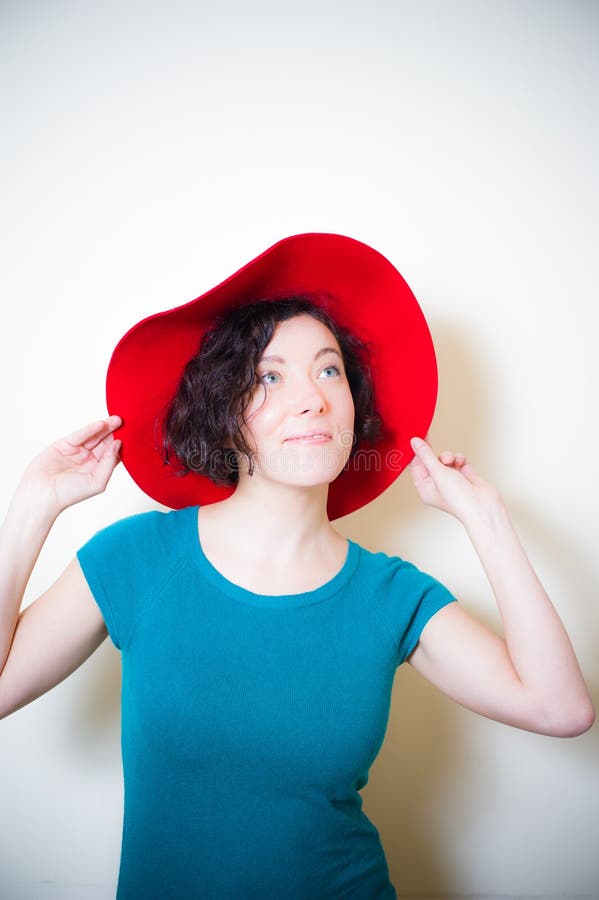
(201, 423)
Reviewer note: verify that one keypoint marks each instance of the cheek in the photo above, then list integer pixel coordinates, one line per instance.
(262, 415)
(266, 419)
(347, 436)
(350, 410)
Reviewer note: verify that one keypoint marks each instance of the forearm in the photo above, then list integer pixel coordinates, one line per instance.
(70, 470)
(537, 642)
(22, 536)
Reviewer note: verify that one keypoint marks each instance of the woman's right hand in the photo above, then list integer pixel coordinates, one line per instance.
(74, 467)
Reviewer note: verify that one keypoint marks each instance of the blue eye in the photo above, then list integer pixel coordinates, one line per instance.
(265, 378)
(266, 375)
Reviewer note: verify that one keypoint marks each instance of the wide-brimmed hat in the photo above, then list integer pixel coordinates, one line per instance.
(359, 288)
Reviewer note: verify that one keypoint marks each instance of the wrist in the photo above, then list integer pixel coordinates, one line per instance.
(491, 517)
(32, 508)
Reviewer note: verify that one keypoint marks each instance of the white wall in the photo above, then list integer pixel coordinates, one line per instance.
(150, 149)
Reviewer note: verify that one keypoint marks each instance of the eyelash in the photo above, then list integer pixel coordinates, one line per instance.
(262, 377)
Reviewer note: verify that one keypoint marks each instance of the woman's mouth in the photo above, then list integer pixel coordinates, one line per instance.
(314, 438)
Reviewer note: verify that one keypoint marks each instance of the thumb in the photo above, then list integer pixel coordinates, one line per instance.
(425, 454)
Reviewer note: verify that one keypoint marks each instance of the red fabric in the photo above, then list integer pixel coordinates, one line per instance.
(361, 290)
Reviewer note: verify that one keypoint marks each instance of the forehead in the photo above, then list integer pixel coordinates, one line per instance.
(301, 332)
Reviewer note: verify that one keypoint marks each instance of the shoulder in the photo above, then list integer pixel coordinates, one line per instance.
(397, 576)
(388, 568)
(141, 533)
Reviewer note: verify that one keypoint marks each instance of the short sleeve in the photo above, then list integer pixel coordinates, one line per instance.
(414, 597)
(119, 565)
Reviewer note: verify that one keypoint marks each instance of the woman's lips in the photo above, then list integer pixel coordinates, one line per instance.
(309, 439)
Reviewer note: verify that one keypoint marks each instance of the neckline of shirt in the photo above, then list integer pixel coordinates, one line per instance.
(278, 601)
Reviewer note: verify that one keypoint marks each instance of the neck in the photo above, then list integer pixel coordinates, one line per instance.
(276, 520)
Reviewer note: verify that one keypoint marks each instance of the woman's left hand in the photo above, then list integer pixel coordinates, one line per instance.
(448, 482)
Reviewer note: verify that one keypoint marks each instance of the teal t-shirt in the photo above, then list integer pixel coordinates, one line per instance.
(249, 722)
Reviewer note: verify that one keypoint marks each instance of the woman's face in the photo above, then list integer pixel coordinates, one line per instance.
(300, 419)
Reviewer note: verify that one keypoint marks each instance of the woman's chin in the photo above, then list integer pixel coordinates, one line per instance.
(303, 467)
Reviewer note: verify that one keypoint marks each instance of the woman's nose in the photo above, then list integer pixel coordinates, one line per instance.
(310, 398)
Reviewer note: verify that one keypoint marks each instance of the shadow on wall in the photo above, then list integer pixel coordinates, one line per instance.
(423, 751)
(96, 712)
(430, 742)
(425, 745)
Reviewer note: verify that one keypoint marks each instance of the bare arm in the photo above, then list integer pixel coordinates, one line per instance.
(48, 640)
(530, 678)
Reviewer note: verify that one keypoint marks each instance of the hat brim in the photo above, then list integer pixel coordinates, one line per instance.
(363, 292)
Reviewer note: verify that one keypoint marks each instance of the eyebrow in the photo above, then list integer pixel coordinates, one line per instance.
(320, 353)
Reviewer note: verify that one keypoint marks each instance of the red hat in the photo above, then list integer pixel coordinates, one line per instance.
(359, 288)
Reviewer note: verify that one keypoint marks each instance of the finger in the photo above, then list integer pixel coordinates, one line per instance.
(92, 433)
(107, 463)
(425, 454)
(110, 424)
(105, 447)
(453, 459)
(101, 444)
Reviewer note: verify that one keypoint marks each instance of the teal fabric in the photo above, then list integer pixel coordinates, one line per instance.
(249, 722)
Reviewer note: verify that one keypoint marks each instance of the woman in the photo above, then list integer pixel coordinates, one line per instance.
(259, 646)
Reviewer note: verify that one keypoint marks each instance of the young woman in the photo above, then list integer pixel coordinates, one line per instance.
(259, 646)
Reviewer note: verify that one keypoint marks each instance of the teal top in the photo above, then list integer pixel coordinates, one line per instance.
(250, 721)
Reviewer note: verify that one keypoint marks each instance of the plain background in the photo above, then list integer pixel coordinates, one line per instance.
(149, 150)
